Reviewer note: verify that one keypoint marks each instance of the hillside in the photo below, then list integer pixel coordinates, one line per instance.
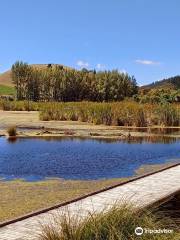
(6, 79)
(169, 83)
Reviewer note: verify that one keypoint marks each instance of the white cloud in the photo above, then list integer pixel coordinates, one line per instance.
(82, 64)
(122, 71)
(147, 62)
(100, 66)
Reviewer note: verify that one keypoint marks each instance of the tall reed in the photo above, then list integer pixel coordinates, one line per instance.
(124, 113)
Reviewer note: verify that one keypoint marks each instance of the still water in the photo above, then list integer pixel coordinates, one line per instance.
(72, 158)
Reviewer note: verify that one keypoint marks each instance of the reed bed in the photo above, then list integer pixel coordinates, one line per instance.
(117, 223)
(19, 105)
(124, 113)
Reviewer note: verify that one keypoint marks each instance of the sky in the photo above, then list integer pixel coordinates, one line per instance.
(140, 37)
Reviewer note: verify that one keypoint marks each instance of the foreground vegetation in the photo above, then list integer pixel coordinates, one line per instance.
(124, 113)
(118, 223)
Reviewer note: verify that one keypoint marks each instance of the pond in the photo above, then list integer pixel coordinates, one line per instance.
(34, 159)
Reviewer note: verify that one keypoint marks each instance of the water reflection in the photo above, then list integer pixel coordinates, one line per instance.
(132, 139)
(153, 130)
(12, 139)
(82, 158)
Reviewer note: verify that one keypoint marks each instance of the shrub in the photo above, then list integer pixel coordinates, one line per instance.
(12, 131)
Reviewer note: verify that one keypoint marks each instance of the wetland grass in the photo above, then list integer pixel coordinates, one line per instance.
(124, 113)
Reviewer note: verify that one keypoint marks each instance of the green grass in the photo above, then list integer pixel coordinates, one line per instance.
(7, 90)
(117, 223)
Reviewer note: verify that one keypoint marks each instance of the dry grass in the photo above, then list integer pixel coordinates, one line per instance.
(125, 113)
(6, 79)
(21, 197)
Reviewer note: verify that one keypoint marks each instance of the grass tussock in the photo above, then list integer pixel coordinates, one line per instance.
(118, 223)
(12, 132)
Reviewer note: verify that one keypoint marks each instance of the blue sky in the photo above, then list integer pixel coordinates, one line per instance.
(141, 37)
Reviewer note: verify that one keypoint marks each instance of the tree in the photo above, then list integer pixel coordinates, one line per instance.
(55, 83)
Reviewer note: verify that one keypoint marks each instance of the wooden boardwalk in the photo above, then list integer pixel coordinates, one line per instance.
(141, 193)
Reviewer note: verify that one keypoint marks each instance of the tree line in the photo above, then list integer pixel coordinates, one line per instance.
(58, 83)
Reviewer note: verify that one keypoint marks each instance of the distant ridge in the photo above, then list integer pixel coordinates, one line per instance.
(169, 83)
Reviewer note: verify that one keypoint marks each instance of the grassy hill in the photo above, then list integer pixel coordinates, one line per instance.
(6, 85)
(169, 83)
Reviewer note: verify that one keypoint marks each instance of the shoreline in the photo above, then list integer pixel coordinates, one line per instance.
(29, 125)
(66, 190)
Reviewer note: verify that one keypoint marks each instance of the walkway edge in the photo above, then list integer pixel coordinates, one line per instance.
(35, 213)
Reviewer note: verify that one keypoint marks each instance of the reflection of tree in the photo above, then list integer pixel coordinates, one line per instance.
(154, 139)
(159, 130)
(12, 139)
(131, 140)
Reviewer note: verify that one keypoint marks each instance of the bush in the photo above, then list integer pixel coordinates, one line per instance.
(12, 131)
